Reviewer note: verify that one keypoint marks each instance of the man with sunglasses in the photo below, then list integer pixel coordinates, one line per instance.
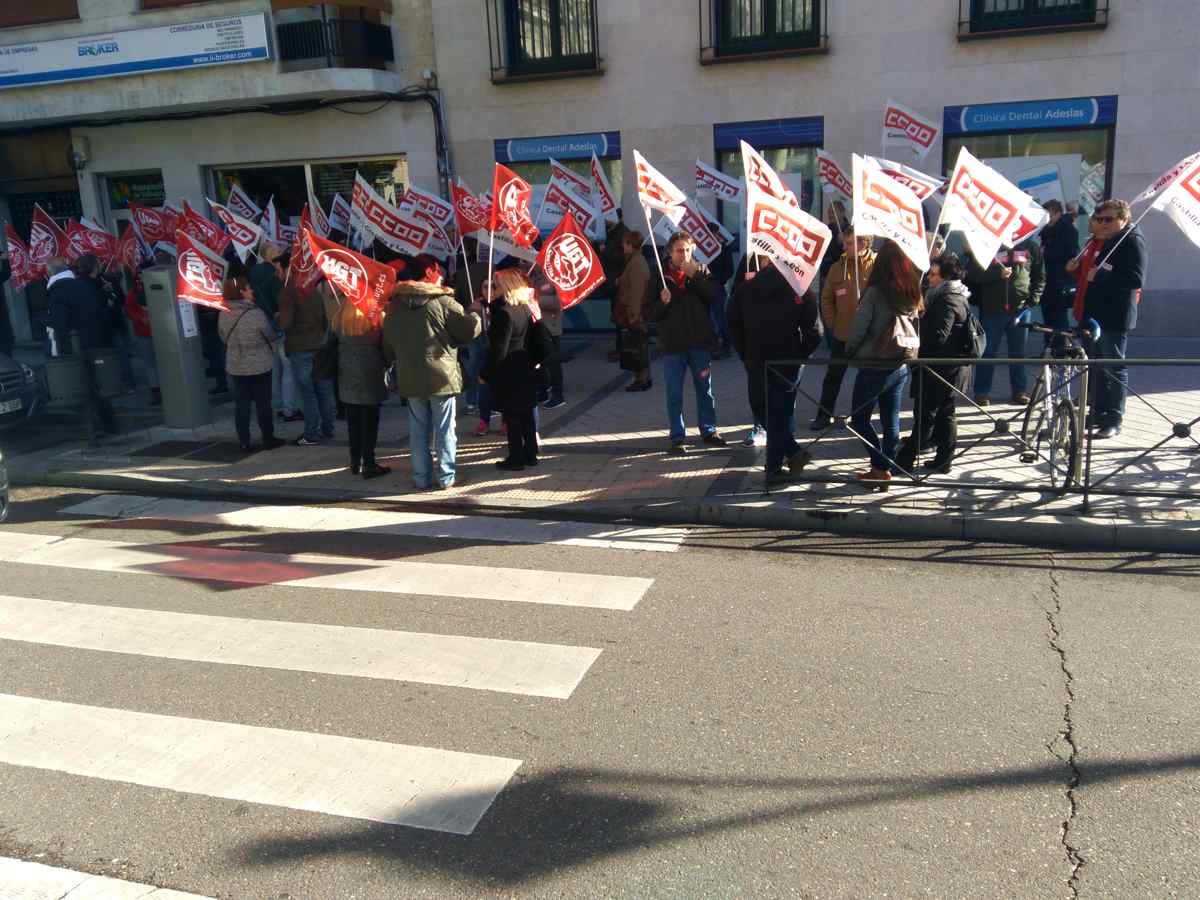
(1113, 292)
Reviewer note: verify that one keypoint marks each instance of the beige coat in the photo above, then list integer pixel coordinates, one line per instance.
(631, 292)
(840, 295)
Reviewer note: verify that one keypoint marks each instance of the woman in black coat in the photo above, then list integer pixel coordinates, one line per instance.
(509, 370)
(942, 336)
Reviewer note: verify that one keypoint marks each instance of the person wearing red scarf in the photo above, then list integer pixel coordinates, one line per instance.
(686, 340)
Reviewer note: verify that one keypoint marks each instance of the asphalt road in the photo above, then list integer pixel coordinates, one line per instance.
(780, 715)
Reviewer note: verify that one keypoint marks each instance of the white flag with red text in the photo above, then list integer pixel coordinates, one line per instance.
(691, 221)
(792, 238)
(833, 179)
(984, 205)
(717, 184)
(570, 263)
(655, 190)
(907, 128)
(374, 214)
(604, 191)
(201, 272)
(586, 215)
(1181, 201)
(241, 204)
(244, 233)
(339, 214)
(885, 208)
(316, 216)
(570, 180)
(1165, 178)
(924, 186)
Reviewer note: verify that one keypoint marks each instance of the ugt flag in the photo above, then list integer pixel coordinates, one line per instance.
(885, 208)
(907, 128)
(792, 238)
(303, 271)
(130, 252)
(1181, 201)
(470, 214)
(23, 270)
(201, 229)
(200, 273)
(366, 283)
(46, 239)
(984, 205)
(510, 206)
(154, 224)
(570, 263)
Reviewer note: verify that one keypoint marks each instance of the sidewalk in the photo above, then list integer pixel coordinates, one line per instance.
(604, 458)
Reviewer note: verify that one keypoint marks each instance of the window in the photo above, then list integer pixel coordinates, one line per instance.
(1023, 15)
(16, 14)
(752, 26)
(142, 188)
(797, 166)
(542, 37)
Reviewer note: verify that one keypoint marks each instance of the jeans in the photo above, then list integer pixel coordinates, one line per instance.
(675, 366)
(835, 373)
(884, 387)
(283, 387)
(997, 327)
(477, 352)
(1110, 384)
(362, 422)
(756, 391)
(256, 389)
(781, 417)
(431, 431)
(716, 314)
(317, 396)
(522, 437)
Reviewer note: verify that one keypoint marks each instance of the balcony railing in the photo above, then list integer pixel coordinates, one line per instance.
(1005, 18)
(738, 30)
(537, 39)
(341, 43)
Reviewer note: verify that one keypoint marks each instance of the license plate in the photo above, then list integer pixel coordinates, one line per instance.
(7, 406)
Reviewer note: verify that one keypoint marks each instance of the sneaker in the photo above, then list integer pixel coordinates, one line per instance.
(481, 429)
(756, 438)
(302, 441)
(714, 440)
(296, 416)
(470, 410)
(983, 401)
(554, 403)
(678, 448)
(1105, 432)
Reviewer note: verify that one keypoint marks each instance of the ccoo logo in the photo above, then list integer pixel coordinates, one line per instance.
(911, 128)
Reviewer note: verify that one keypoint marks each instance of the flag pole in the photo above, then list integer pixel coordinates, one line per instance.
(462, 245)
(657, 258)
(853, 250)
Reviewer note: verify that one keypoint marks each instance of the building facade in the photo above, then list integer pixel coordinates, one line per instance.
(104, 101)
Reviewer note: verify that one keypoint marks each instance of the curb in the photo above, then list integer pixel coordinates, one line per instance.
(1064, 532)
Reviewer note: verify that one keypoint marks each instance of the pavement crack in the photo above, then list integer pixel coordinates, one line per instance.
(1064, 747)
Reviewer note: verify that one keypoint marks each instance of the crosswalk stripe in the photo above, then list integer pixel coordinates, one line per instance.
(488, 664)
(616, 592)
(397, 784)
(415, 524)
(21, 880)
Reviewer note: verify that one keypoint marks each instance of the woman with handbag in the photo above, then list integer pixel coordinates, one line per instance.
(249, 338)
(510, 367)
(631, 296)
(882, 338)
(360, 366)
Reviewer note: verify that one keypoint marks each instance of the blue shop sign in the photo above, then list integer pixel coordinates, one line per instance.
(559, 146)
(764, 134)
(1031, 115)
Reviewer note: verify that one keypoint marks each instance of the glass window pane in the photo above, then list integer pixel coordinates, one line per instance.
(745, 18)
(389, 177)
(575, 23)
(287, 184)
(142, 188)
(797, 166)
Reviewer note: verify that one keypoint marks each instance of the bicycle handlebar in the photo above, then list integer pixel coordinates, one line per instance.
(1071, 332)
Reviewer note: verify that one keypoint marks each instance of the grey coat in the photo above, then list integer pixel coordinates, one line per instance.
(249, 339)
(360, 368)
(874, 317)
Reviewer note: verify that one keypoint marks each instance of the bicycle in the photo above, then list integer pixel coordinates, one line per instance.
(1053, 420)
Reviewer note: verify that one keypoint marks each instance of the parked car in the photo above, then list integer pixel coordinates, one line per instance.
(21, 392)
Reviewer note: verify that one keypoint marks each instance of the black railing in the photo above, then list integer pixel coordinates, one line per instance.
(983, 18)
(732, 30)
(348, 43)
(531, 39)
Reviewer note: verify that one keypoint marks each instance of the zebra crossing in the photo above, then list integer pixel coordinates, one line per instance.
(437, 788)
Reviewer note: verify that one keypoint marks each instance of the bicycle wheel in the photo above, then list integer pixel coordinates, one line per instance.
(1063, 447)
(1034, 420)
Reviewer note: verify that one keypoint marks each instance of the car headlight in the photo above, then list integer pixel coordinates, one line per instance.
(27, 374)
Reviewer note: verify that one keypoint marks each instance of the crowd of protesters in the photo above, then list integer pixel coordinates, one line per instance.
(481, 347)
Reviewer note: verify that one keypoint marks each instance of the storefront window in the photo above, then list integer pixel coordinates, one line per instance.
(142, 188)
(288, 185)
(389, 177)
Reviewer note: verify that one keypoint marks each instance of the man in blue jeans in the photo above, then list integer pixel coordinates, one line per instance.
(305, 326)
(1004, 287)
(686, 340)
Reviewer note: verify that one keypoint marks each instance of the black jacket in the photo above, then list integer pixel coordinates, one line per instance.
(768, 321)
(1112, 297)
(941, 330)
(1060, 244)
(509, 368)
(75, 306)
(684, 323)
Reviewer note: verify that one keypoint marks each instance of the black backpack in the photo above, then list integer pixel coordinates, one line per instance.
(974, 338)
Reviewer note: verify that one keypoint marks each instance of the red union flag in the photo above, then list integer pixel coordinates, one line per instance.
(46, 239)
(372, 213)
(470, 214)
(886, 208)
(303, 271)
(201, 229)
(924, 186)
(907, 128)
(717, 183)
(984, 205)
(244, 233)
(760, 174)
(833, 179)
(366, 283)
(510, 206)
(201, 273)
(570, 262)
(85, 239)
(154, 224)
(240, 203)
(604, 191)
(791, 237)
(23, 271)
(1181, 201)
(655, 190)
(129, 249)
